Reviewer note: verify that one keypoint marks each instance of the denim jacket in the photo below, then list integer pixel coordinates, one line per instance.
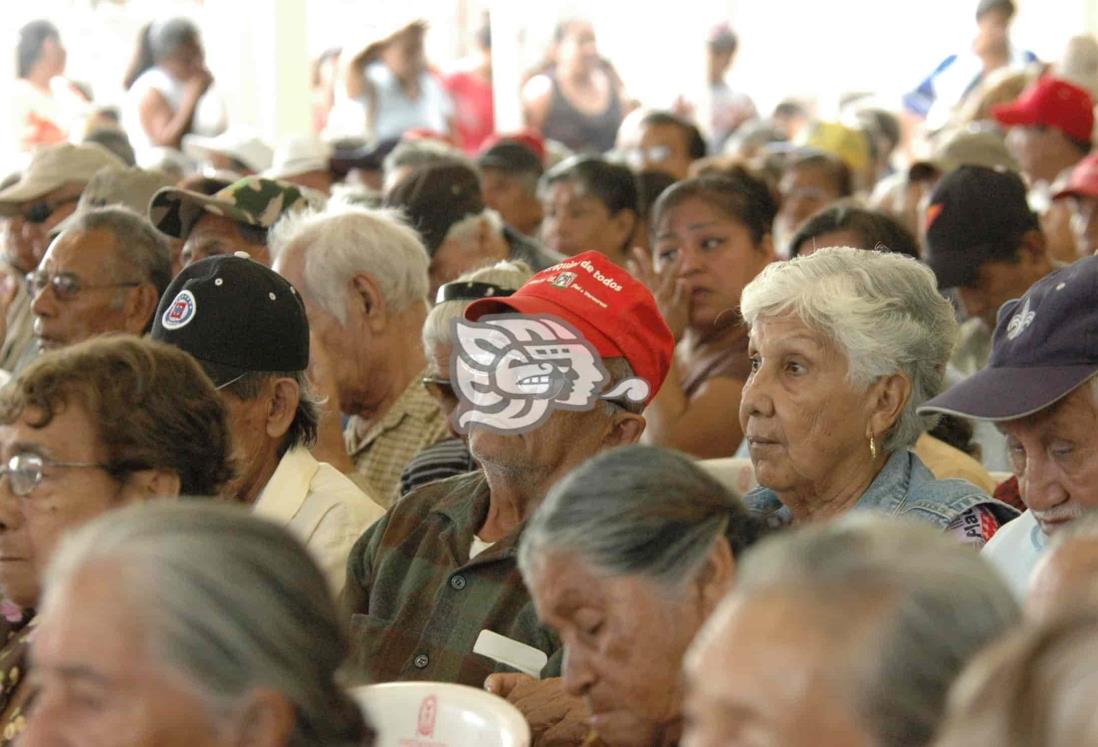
(905, 487)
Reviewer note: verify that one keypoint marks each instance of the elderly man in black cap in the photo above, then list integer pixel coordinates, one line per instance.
(444, 202)
(1039, 390)
(246, 325)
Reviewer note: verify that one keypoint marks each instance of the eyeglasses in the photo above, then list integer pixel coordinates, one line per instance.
(25, 471)
(40, 212)
(440, 389)
(65, 285)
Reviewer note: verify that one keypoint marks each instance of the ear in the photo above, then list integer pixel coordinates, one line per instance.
(140, 306)
(715, 577)
(1034, 249)
(367, 298)
(624, 223)
(282, 406)
(766, 248)
(887, 399)
(150, 484)
(265, 718)
(625, 430)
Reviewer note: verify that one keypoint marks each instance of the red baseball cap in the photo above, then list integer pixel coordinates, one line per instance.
(1083, 181)
(1052, 102)
(614, 311)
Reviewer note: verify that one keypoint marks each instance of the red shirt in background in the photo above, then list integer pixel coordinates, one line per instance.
(474, 114)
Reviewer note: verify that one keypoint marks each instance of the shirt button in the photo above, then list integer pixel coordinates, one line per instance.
(457, 582)
(421, 661)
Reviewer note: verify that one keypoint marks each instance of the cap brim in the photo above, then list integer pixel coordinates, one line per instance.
(219, 374)
(1010, 115)
(536, 305)
(182, 209)
(1010, 393)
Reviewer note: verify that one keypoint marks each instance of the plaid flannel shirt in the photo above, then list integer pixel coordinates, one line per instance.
(381, 451)
(417, 602)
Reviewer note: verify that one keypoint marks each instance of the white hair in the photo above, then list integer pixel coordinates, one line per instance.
(882, 310)
(910, 604)
(343, 240)
(466, 231)
(230, 601)
(509, 275)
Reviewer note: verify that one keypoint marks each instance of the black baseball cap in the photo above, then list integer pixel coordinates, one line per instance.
(235, 316)
(975, 215)
(435, 197)
(512, 157)
(1045, 345)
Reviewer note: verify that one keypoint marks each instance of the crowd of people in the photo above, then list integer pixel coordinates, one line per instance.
(667, 427)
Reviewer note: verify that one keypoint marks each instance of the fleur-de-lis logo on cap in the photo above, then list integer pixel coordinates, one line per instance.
(1018, 323)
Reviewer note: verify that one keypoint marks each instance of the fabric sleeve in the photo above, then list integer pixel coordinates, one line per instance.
(975, 527)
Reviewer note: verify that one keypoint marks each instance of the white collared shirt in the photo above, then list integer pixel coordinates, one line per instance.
(1015, 550)
(321, 506)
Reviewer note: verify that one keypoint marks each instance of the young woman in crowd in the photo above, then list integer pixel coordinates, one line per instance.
(710, 236)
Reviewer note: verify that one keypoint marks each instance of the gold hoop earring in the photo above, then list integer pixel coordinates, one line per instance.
(873, 448)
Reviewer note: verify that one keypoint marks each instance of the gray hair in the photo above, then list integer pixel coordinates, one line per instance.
(437, 329)
(638, 510)
(1035, 687)
(911, 604)
(882, 310)
(343, 240)
(140, 246)
(306, 422)
(231, 602)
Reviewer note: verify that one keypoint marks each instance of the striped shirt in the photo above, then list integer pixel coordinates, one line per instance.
(447, 458)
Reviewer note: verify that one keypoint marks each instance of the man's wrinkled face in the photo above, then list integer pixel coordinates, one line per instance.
(214, 235)
(80, 290)
(26, 234)
(995, 283)
(1054, 454)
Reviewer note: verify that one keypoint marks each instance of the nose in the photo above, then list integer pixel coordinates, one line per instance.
(11, 515)
(1039, 484)
(755, 399)
(576, 673)
(689, 262)
(973, 301)
(43, 302)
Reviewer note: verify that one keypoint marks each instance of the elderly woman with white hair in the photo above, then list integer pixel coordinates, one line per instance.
(451, 456)
(189, 625)
(626, 559)
(847, 634)
(845, 345)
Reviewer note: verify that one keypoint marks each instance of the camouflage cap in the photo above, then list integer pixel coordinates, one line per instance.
(253, 201)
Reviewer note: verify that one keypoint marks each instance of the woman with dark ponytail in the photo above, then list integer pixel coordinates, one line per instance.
(44, 104)
(169, 88)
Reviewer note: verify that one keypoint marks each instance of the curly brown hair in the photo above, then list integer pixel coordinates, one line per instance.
(153, 406)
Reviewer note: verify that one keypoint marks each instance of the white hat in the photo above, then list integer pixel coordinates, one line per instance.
(299, 155)
(238, 143)
(55, 166)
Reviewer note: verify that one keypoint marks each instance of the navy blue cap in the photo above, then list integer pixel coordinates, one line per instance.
(1045, 345)
(235, 316)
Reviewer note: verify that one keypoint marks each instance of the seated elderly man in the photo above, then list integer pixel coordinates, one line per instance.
(31, 206)
(433, 588)
(843, 634)
(626, 559)
(845, 345)
(97, 425)
(126, 622)
(1038, 388)
(234, 219)
(246, 326)
(104, 273)
(363, 277)
(444, 202)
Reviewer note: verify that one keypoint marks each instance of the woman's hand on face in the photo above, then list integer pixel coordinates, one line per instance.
(556, 718)
(199, 82)
(668, 289)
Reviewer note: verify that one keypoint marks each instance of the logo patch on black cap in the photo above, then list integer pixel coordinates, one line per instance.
(181, 311)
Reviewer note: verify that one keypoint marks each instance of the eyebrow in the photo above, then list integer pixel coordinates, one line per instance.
(692, 227)
(73, 672)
